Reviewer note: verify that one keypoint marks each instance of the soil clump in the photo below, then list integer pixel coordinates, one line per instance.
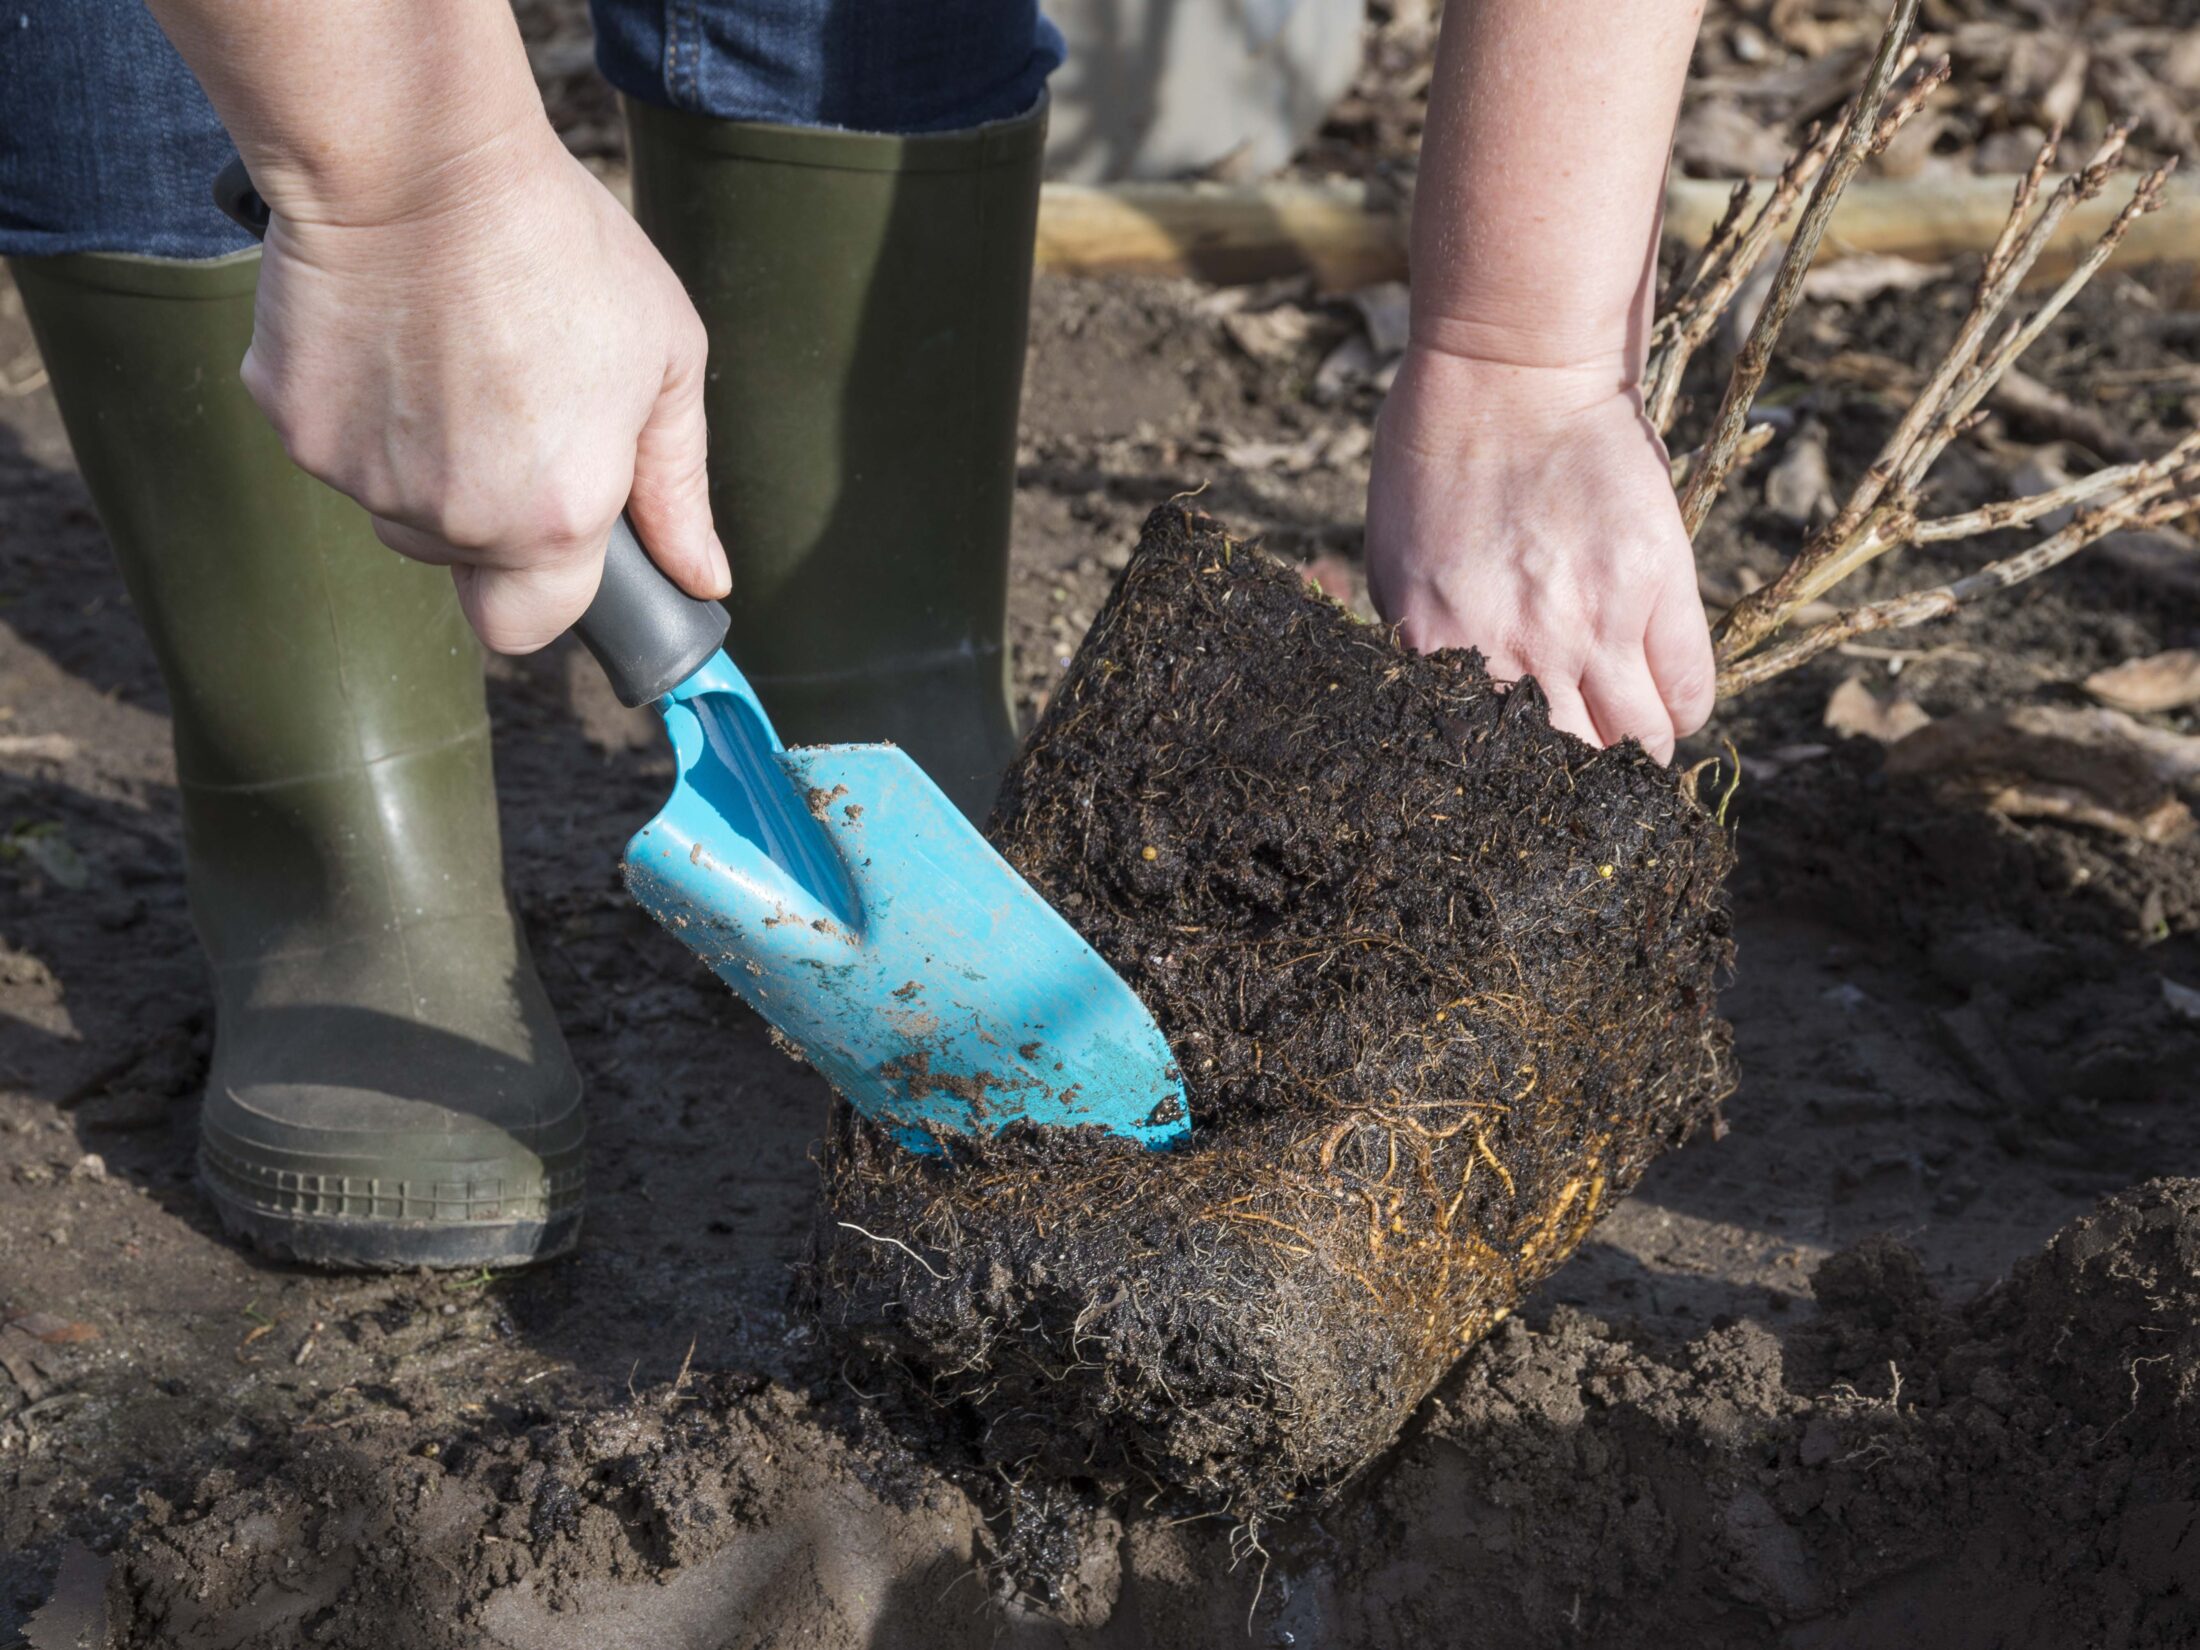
(1441, 981)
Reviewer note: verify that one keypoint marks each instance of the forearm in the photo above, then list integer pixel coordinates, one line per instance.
(360, 110)
(1542, 179)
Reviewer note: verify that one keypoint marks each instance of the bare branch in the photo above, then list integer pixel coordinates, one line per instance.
(1755, 440)
(1879, 513)
(2020, 207)
(2153, 499)
(2022, 512)
(1731, 254)
(1859, 131)
(1729, 258)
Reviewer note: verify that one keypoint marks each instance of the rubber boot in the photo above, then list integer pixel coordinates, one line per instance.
(389, 1088)
(867, 298)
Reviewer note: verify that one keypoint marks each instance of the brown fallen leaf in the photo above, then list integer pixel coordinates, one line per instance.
(1270, 334)
(1759, 766)
(1386, 312)
(2022, 397)
(1854, 710)
(2167, 681)
(42, 747)
(2166, 821)
(2090, 766)
(1854, 280)
(53, 1330)
(1799, 489)
(1719, 139)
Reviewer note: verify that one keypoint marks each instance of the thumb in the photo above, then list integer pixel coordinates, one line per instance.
(670, 501)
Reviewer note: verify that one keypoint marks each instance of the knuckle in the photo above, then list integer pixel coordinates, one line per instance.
(462, 522)
(1691, 692)
(693, 339)
(563, 520)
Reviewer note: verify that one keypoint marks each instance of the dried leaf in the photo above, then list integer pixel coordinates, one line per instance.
(1853, 280)
(2181, 67)
(1320, 449)
(2089, 766)
(1857, 712)
(44, 747)
(1911, 153)
(53, 1330)
(2167, 681)
(2166, 821)
(2045, 470)
(1799, 489)
(1759, 766)
(1719, 139)
(1386, 311)
(1351, 364)
(1270, 334)
(2060, 101)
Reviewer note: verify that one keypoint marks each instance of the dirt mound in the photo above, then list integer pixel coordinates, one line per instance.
(1441, 981)
(2111, 1316)
(699, 1514)
(2012, 1473)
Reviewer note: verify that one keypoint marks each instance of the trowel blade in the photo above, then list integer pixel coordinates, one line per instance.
(935, 988)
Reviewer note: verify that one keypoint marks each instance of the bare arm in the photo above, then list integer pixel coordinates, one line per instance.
(1520, 501)
(456, 324)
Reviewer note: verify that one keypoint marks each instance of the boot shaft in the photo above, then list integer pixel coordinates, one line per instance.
(330, 728)
(289, 638)
(867, 298)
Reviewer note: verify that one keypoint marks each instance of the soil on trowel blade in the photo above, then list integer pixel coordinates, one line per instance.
(1440, 980)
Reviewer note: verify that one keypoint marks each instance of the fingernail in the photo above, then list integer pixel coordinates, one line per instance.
(721, 571)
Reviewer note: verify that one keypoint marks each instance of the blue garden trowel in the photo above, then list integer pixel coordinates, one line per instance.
(846, 900)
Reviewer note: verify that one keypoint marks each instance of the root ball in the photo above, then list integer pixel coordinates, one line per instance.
(1441, 981)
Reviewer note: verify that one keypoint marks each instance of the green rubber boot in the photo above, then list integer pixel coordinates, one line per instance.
(867, 299)
(389, 1088)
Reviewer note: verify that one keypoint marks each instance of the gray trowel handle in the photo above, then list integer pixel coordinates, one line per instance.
(647, 633)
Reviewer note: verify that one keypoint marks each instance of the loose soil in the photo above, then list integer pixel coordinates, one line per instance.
(1824, 1381)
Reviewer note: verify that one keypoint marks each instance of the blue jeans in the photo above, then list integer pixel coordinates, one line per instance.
(108, 145)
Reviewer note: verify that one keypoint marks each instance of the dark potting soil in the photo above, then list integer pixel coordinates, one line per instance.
(1441, 981)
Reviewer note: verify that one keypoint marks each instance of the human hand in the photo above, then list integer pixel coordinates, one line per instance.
(494, 371)
(1529, 512)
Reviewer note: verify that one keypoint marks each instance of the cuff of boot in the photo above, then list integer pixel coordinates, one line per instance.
(1015, 142)
(146, 277)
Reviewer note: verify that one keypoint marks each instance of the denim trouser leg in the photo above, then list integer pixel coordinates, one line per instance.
(106, 142)
(902, 66)
(108, 145)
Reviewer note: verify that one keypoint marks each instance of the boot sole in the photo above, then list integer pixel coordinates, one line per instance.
(394, 1245)
(274, 1212)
